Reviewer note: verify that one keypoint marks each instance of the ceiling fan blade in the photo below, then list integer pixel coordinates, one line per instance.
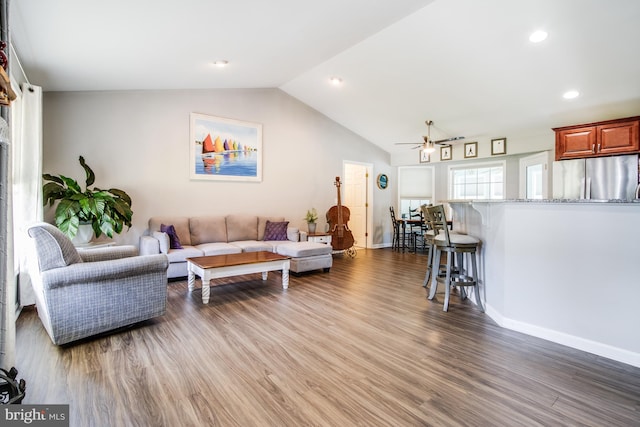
(428, 143)
(416, 145)
(444, 141)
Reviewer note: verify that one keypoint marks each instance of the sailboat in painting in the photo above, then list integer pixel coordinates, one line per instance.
(217, 146)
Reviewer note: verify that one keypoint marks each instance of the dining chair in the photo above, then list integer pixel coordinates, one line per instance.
(395, 242)
(418, 229)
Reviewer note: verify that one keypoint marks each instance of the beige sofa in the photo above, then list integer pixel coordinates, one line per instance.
(219, 235)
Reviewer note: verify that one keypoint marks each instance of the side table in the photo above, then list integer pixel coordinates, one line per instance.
(319, 238)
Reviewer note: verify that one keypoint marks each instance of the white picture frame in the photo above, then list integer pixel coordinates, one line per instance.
(222, 149)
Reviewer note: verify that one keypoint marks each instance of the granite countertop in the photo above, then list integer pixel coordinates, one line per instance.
(539, 201)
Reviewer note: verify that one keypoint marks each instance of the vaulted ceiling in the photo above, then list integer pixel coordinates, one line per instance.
(468, 65)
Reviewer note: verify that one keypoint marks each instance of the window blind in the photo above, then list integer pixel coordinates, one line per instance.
(415, 183)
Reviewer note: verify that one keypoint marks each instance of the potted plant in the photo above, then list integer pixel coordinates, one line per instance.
(105, 211)
(311, 218)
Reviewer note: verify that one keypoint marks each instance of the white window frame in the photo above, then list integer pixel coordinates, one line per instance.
(543, 158)
(477, 165)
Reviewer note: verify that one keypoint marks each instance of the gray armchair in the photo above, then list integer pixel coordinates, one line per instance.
(84, 293)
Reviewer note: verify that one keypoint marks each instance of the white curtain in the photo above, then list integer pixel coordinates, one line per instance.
(8, 288)
(26, 126)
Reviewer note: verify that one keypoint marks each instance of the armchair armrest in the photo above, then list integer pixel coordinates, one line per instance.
(104, 271)
(104, 254)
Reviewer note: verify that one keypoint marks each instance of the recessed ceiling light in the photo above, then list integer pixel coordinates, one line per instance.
(538, 36)
(571, 94)
(221, 63)
(336, 81)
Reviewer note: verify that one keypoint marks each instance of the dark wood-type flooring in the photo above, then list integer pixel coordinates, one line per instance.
(360, 345)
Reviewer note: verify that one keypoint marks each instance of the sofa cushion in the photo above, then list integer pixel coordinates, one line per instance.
(163, 241)
(181, 255)
(180, 223)
(242, 227)
(262, 223)
(275, 243)
(208, 229)
(252, 246)
(219, 248)
(276, 230)
(293, 234)
(303, 249)
(174, 240)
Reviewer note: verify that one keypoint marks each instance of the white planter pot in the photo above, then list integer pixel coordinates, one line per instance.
(84, 235)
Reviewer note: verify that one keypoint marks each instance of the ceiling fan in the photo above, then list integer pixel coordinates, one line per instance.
(429, 145)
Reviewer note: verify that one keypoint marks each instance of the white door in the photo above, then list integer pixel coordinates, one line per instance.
(355, 196)
(534, 176)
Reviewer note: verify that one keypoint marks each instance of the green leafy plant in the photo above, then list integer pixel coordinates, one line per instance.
(106, 210)
(312, 216)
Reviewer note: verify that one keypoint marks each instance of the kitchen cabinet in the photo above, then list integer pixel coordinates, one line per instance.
(607, 138)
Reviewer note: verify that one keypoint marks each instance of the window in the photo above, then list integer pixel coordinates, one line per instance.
(415, 188)
(534, 178)
(409, 207)
(477, 182)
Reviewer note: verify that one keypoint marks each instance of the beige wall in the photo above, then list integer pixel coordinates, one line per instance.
(138, 141)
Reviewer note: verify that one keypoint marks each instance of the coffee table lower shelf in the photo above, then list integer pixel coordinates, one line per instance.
(218, 266)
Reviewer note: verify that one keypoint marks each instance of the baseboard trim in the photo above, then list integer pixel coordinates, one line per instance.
(593, 347)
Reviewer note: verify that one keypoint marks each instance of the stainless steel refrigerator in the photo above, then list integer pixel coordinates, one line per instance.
(598, 178)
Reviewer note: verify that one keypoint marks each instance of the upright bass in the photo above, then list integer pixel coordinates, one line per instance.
(337, 217)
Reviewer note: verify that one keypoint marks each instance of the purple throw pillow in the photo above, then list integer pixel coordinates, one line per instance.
(276, 230)
(174, 240)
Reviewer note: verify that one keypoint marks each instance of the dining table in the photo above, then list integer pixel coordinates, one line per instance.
(410, 223)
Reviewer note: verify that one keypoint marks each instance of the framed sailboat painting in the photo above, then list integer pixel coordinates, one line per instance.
(224, 149)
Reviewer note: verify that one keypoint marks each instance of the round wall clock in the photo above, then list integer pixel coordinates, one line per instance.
(383, 181)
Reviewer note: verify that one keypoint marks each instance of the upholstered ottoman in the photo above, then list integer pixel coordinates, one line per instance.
(306, 256)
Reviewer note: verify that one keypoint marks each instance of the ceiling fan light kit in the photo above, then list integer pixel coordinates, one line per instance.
(428, 146)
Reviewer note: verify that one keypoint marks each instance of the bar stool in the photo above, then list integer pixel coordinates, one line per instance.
(456, 246)
(428, 239)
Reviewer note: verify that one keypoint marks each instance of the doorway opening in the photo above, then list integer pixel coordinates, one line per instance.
(358, 197)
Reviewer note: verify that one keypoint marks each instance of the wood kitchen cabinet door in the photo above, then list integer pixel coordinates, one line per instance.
(576, 143)
(619, 138)
(598, 139)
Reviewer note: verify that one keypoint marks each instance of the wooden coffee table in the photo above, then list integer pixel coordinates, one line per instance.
(216, 266)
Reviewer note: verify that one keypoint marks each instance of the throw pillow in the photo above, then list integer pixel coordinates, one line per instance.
(276, 230)
(163, 239)
(174, 240)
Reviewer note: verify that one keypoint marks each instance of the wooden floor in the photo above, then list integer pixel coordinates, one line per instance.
(360, 345)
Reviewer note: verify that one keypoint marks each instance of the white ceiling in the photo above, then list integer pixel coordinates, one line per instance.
(465, 64)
